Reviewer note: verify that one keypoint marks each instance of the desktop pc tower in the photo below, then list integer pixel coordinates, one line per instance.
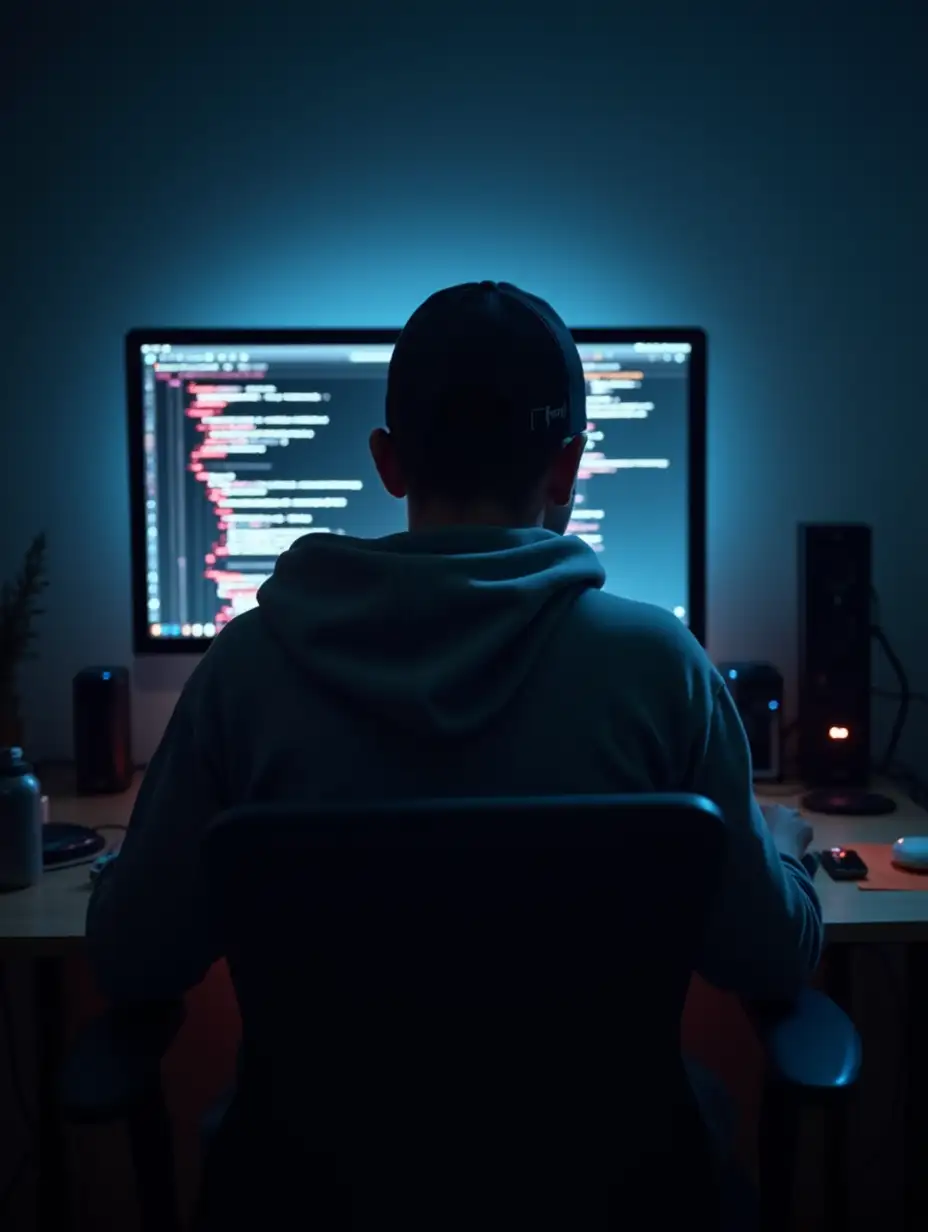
(835, 600)
(102, 699)
(757, 691)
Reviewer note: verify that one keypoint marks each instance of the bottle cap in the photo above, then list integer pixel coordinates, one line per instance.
(11, 762)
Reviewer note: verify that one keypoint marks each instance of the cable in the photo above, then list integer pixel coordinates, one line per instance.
(902, 713)
(893, 695)
(903, 697)
(913, 784)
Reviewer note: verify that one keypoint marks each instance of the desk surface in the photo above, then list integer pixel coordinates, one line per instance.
(49, 917)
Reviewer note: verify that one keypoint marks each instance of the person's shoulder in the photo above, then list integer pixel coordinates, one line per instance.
(245, 628)
(642, 626)
(648, 669)
(646, 650)
(231, 651)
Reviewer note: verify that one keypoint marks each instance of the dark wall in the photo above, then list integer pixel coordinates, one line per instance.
(760, 174)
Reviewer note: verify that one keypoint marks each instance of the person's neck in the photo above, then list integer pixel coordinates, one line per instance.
(438, 516)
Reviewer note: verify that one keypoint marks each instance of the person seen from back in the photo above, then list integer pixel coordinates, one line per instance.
(475, 654)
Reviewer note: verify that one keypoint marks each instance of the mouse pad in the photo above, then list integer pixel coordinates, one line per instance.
(882, 874)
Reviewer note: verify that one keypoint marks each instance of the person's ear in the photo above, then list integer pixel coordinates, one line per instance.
(563, 474)
(383, 451)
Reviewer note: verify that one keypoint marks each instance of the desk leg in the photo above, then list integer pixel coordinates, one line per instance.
(915, 1143)
(53, 1198)
(838, 985)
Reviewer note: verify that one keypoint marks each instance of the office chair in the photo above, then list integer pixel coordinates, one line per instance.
(457, 1014)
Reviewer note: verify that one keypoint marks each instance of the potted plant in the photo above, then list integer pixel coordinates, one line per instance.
(18, 611)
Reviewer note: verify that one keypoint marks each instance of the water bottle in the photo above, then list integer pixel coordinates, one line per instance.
(20, 822)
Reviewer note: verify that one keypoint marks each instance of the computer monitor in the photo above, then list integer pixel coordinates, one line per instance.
(243, 440)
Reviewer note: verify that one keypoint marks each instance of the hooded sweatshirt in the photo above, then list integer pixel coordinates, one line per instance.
(474, 661)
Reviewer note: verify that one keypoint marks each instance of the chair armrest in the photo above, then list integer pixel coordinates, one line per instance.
(809, 1042)
(115, 1062)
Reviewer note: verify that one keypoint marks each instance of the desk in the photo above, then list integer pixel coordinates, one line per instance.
(49, 918)
(856, 917)
(46, 922)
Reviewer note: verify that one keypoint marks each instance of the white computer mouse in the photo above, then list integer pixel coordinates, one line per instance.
(911, 853)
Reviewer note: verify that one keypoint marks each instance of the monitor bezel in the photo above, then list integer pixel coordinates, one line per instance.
(144, 643)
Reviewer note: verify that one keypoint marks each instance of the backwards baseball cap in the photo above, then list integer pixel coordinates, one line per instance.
(486, 359)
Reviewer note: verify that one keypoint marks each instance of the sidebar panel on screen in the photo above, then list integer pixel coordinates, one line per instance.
(248, 454)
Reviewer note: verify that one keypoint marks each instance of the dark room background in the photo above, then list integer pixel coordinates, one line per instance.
(756, 170)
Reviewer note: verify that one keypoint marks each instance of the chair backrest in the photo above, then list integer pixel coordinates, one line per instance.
(467, 1013)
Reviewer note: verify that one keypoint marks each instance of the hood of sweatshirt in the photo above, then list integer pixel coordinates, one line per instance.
(433, 630)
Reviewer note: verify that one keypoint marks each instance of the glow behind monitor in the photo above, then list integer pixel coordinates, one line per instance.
(241, 441)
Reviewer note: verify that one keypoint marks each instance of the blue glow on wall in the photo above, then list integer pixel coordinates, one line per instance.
(653, 166)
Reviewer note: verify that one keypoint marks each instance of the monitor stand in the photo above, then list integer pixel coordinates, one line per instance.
(853, 802)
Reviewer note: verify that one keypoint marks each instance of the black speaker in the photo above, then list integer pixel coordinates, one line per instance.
(835, 600)
(102, 730)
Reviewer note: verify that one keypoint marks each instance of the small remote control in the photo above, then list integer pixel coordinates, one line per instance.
(843, 864)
